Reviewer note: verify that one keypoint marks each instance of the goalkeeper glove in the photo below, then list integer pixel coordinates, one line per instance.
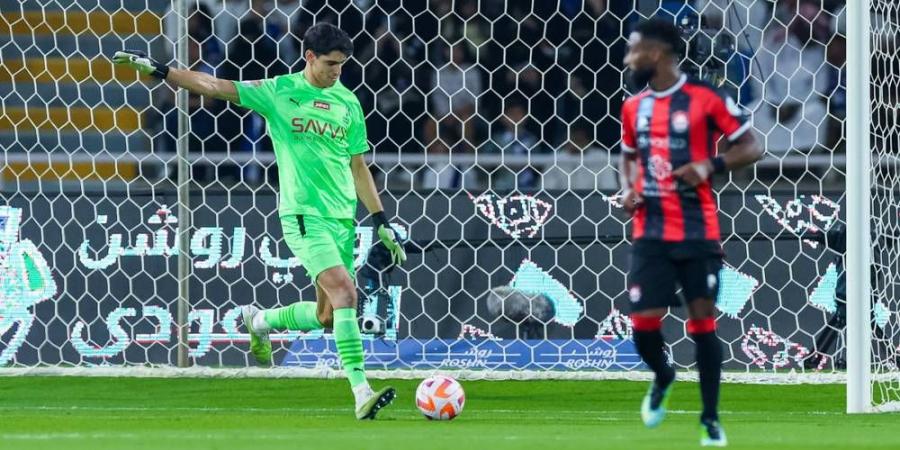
(139, 61)
(388, 238)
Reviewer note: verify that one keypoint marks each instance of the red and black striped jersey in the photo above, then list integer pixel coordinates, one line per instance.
(667, 130)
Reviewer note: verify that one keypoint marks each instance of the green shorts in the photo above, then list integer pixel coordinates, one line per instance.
(320, 243)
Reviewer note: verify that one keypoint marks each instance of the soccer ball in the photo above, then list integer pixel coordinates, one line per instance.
(440, 398)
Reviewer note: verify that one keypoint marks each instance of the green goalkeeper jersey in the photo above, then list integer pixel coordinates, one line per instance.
(315, 132)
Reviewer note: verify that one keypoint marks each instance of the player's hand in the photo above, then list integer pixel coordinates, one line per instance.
(631, 201)
(139, 61)
(389, 239)
(694, 173)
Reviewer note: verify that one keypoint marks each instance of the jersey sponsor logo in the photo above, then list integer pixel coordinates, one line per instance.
(321, 105)
(662, 142)
(305, 126)
(643, 123)
(680, 121)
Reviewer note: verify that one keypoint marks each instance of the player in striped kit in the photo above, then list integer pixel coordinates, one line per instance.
(670, 136)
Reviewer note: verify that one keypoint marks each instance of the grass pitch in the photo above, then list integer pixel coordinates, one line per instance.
(139, 413)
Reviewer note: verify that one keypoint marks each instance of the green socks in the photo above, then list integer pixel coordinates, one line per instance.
(299, 316)
(349, 345)
(302, 316)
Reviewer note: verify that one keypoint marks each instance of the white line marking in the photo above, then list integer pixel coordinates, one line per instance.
(346, 410)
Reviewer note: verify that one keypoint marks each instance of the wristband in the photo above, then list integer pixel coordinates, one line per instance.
(160, 71)
(380, 219)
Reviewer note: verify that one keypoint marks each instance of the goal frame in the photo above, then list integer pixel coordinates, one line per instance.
(859, 198)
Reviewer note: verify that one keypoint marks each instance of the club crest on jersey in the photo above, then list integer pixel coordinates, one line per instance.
(322, 105)
(680, 121)
(660, 168)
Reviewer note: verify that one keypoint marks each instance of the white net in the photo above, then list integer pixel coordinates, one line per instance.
(495, 131)
(885, 79)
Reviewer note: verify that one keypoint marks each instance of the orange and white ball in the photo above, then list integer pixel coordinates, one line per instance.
(440, 398)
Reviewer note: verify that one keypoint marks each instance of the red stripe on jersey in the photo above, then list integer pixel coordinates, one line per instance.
(700, 140)
(629, 137)
(673, 219)
(629, 112)
(640, 215)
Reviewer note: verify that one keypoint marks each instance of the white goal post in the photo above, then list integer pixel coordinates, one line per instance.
(859, 259)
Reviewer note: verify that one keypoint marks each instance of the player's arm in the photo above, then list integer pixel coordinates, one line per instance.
(196, 82)
(365, 185)
(628, 162)
(203, 84)
(741, 152)
(368, 194)
(631, 200)
(741, 146)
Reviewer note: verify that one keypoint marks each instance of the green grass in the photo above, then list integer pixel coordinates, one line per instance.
(127, 413)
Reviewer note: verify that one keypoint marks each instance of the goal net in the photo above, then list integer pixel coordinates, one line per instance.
(495, 133)
(880, 319)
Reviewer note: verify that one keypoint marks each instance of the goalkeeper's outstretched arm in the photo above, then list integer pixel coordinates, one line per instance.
(196, 82)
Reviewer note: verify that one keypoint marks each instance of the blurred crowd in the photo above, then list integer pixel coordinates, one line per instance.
(526, 77)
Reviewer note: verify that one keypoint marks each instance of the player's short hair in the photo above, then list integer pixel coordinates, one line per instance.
(662, 31)
(323, 38)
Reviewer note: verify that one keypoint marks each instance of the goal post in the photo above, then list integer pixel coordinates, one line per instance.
(859, 255)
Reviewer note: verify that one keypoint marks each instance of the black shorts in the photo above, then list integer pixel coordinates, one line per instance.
(657, 266)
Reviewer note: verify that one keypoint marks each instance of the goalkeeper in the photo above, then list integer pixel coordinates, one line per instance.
(319, 134)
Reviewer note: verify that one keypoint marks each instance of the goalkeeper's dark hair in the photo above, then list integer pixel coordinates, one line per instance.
(323, 38)
(662, 31)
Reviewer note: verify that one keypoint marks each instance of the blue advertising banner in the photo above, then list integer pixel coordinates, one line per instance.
(475, 354)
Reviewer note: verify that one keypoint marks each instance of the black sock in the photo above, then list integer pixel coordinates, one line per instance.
(650, 346)
(709, 363)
